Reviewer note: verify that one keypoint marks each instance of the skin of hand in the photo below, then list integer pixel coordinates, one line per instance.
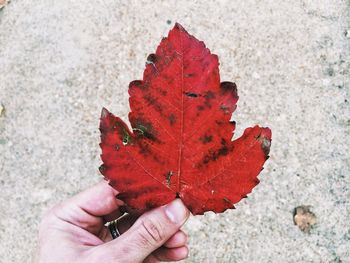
(75, 231)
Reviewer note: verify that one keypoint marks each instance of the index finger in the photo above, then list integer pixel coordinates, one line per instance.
(98, 200)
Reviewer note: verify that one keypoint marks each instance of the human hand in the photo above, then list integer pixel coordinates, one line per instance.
(75, 231)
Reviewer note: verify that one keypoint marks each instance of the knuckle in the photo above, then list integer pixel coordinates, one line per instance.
(49, 218)
(52, 212)
(49, 214)
(151, 233)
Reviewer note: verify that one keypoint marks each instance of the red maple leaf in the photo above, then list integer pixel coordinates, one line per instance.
(181, 139)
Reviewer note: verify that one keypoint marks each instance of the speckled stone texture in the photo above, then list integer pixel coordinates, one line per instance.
(62, 61)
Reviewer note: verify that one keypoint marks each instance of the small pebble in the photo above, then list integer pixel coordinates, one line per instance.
(347, 33)
(2, 109)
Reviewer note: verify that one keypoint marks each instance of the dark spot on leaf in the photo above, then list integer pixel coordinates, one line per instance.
(189, 75)
(180, 27)
(206, 138)
(209, 95)
(102, 136)
(218, 122)
(140, 129)
(223, 151)
(144, 149)
(223, 141)
(213, 155)
(155, 158)
(207, 104)
(144, 129)
(200, 107)
(136, 83)
(225, 109)
(227, 86)
(265, 144)
(172, 119)
(126, 137)
(227, 200)
(151, 59)
(154, 102)
(102, 168)
(191, 94)
(150, 136)
(168, 176)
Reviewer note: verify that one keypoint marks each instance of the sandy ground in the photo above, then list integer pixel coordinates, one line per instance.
(62, 61)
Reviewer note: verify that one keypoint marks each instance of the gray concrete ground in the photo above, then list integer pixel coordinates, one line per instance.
(61, 61)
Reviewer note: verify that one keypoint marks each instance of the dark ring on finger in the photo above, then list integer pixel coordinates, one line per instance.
(113, 228)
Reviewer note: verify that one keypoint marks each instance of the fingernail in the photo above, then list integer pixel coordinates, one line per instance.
(176, 211)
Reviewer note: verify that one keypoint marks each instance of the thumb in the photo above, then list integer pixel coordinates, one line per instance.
(149, 232)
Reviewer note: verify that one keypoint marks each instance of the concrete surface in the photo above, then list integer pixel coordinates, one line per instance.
(61, 61)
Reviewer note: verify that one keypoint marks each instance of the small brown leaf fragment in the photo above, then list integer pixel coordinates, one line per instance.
(304, 218)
